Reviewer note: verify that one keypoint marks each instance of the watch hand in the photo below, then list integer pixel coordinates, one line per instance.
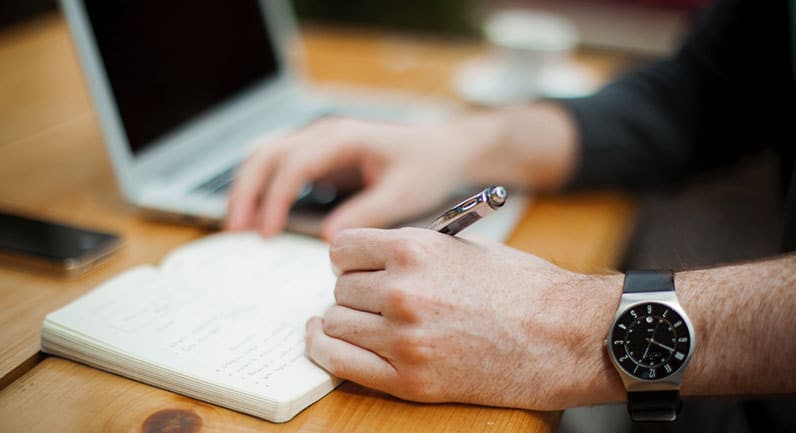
(670, 349)
(650, 341)
(645, 352)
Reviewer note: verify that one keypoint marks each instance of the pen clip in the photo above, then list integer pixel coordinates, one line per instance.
(469, 203)
(470, 210)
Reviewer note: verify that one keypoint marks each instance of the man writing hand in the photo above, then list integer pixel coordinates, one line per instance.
(429, 317)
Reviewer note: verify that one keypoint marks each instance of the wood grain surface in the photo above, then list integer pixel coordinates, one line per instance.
(53, 164)
(62, 396)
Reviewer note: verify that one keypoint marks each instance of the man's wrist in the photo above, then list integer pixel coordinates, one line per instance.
(532, 146)
(598, 382)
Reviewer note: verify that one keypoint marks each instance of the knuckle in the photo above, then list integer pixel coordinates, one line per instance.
(413, 346)
(402, 303)
(407, 252)
(397, 299)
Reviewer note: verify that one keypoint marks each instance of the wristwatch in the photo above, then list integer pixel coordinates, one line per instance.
(650, 343)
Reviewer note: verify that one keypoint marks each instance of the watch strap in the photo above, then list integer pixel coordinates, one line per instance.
(653, 406)
(649, 281)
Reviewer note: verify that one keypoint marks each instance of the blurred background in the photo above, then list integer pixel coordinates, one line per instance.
(649, 26)
(694, 225)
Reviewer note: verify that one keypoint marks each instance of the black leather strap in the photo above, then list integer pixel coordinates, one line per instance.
(649, 281)
(653, 406)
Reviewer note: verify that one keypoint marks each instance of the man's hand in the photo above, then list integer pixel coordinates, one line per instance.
(433, 318)
(407, 170)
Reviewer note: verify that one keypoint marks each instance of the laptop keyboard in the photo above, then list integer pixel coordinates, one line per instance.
(218, 184)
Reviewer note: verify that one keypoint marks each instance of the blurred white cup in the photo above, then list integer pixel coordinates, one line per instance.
(528, 42)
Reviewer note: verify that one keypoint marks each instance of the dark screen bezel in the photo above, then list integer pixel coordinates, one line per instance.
(272, 16)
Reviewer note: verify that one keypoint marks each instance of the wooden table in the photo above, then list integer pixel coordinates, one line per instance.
(53, 164)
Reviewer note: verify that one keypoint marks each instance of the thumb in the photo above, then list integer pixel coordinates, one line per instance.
(372, 207)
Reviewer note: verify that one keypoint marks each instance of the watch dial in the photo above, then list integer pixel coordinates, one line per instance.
(650, 341)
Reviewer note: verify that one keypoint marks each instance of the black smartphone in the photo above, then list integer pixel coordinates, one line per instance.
(52, 246)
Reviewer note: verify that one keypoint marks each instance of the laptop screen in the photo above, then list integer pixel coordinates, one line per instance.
(170, 61)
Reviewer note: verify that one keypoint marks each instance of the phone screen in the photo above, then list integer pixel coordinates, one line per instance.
(49, 240)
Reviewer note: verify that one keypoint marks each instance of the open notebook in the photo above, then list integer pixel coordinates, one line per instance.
(221, 320)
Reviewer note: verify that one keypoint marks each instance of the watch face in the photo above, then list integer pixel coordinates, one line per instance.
(650, 341)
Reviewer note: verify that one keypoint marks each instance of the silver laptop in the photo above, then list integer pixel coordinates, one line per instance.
(183, 87)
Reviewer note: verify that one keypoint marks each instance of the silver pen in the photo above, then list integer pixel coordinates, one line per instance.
(470, 210)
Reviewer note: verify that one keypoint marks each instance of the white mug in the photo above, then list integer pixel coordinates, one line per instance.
(528, 41)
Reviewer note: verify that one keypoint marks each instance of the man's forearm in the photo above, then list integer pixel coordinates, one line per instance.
(745, 322)
(532, 147)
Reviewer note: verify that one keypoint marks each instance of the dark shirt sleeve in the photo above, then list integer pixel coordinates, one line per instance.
(714, 101)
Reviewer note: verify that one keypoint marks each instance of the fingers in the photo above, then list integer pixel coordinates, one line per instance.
(366, 330)
(295, 170)
(346, 360)
(357, 290)
(269, 181)
(367, 249)
(250, 177)
(359, 250)
(373, 207)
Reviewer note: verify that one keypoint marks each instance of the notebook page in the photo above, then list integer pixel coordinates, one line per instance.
(288, 277)
(294, 269)
(228, 311)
